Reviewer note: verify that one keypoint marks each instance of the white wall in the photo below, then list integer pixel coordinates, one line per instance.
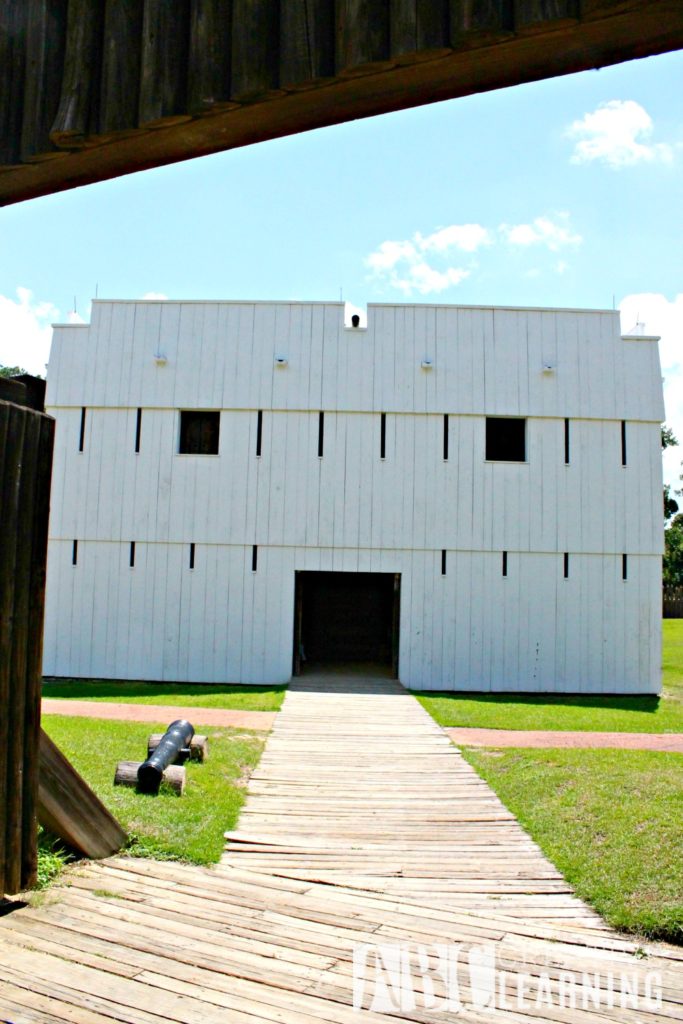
(351, 510)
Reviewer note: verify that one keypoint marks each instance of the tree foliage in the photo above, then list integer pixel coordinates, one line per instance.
(11, 371)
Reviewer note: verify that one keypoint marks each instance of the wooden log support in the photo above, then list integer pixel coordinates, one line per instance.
(255, 39)
(362, 37)
(208, 72)
(77, 113)
(121, 61)
(306, 42)
(12, 64)
(420, 29)
(536, 15)
(26, 437)
(68, 807)
(45, 44)
(198, 749)
(163, 81)
(127, 775)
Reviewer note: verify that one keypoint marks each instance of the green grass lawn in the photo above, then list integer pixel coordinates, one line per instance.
(610, 820)
(187, 828)
(581, 712)
(235, 697)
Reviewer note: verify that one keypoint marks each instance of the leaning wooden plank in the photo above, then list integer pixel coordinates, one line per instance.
(69, 808)
(306, 42)
(163, 81)
(208, 75)
(77, 112)
(45, 42)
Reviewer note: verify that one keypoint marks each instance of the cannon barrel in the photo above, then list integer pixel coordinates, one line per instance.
(177, 737)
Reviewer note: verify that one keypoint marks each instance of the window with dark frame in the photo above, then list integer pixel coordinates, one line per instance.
(566, 565)
(623, 443)
(321, 434)
(624, 567)
(443, 563)
(383, 436)
(505, 563)
(199, 432)
(505, 439)
(74, 553)
(254, 558)
(445, 437)
(81, 435)
(138, 431)
(191, 556)
(131, 556)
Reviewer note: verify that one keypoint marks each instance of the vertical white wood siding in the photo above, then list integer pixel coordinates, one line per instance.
(351, 511)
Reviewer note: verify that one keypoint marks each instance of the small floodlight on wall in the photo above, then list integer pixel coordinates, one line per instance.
(427, 364)
(160, 359)
(548, 368)
(280, 361)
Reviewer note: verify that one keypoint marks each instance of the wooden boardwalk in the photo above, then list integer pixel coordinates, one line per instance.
(363, 825)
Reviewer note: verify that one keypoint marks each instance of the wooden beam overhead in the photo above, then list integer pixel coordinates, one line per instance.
(93, 91)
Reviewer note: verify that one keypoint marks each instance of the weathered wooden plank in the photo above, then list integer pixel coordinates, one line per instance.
(34, 659)
(209, 55)
(77, 113)
(472, 19)
(69, 808)
(121, 65)
(255, 44)
(45, 43)
(362, 36)
(541, 14)
(419, 28)
(163, 78)
(12, 63)
(306, 42)
(17, 763)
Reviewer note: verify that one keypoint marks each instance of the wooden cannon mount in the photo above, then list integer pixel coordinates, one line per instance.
(166, 756)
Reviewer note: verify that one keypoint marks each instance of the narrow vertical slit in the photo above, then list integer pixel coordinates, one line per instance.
(566, 442)
(624, 567)
(81, 438)
(131, 557)
(443, 563)
(74, 553)
(259, 432)
(566, 565)
(623, 442)
(254, 558)
(321, 433)
(383, 436)
(505, 563)
(445, 437)
(191, 556)
(138, 431)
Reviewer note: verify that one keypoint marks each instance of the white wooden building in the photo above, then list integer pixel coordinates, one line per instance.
(469, 495)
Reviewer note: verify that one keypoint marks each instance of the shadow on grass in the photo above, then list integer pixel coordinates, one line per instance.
(644, 703)
(83, 688)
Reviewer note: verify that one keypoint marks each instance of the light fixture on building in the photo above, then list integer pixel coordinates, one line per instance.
(549, 368)
(281, 361)
(160, 359)
(427, 364)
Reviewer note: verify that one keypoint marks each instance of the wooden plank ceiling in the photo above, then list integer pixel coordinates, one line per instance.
(90, 90)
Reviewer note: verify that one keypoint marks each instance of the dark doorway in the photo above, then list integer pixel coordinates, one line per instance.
(347, 617)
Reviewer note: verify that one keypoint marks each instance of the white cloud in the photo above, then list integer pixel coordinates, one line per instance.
(155, 295)
(423, 263)
(663, 318)
(554, 233)
(25, 331)
(617, 133)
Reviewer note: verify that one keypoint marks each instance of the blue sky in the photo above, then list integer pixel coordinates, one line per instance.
(567, 192)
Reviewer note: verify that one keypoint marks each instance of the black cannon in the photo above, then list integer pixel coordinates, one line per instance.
(175, 740)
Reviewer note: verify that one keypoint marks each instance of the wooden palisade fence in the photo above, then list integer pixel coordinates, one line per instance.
(672, 605)
(26, 439)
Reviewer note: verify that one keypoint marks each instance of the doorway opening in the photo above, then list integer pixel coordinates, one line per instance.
(347, 618)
